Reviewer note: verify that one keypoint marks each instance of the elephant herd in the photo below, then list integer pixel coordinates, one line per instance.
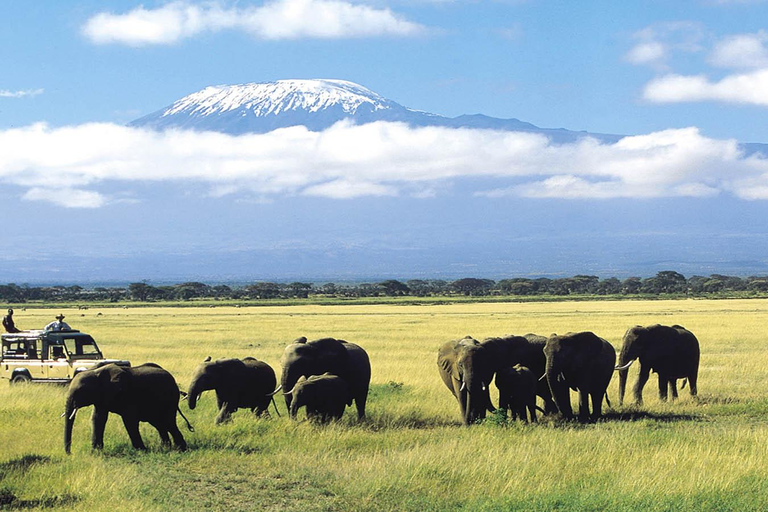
(327, 375)
(324, 376)
(528, 366)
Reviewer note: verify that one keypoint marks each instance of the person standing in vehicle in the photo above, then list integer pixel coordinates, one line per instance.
(58, 325)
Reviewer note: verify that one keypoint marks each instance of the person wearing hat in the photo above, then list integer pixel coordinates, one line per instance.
(58, 324)
(8, 322)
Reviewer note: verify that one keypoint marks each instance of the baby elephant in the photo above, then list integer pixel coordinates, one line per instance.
(325, 397)
(239, 383)
(517, 391)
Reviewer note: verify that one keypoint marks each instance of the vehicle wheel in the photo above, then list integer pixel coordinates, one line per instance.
(21, 378)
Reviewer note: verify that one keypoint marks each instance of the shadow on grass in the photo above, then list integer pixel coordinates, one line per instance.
(640, 415)
(22, 464)
(10, 501)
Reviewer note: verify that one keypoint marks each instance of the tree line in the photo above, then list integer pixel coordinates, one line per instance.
(665, 282)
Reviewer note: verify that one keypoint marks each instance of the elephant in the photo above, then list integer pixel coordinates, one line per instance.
(337, 357)
(239, 383)
(140, 393)
(467, 367)
(517, 392)
(583, 362)
(325, 397)
(671, 352)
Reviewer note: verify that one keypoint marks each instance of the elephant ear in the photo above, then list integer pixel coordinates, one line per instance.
(114, 381)
(446, 359)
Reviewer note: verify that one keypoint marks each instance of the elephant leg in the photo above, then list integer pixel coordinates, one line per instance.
(225, 413)
(163, 433)
(673, 388)
(692, 384)
(360, 404)
(532, 412)
(178, 439)
(522, 413)
(597, 403)
(663, 383)
(99, 422)
(642, 378)
(131, 424)
(583, 405)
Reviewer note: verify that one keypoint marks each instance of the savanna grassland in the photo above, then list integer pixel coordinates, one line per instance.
(412, 453)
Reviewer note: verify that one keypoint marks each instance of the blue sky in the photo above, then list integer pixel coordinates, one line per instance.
(687, 78)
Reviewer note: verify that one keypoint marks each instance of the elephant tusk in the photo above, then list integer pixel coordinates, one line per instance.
(560, 377)
(74, 412)
(543, 377)
(184, 397)
(463, 386)
(625, 366)
(275, 391)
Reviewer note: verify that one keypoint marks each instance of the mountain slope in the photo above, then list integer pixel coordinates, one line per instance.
(316, 104)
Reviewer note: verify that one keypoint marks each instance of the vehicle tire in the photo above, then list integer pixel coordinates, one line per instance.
(20, 378)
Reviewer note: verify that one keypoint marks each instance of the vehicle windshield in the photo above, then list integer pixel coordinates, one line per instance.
(82, 346)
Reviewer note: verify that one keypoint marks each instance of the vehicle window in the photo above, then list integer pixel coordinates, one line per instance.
(82, 346)
(16, 349)
(57, 352)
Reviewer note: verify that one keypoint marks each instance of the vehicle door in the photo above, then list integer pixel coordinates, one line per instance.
(56, 362)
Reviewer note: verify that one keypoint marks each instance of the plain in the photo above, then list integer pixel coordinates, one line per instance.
(411, 453)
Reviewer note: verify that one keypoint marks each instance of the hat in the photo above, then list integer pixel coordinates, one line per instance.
(60, 317)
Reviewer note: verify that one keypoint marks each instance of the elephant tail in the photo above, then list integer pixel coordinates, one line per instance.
(275, 404)
(607, 400)
(189, 425)
(542, 411)
(685, 381)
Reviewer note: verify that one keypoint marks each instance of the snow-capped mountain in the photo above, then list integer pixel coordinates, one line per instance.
(316, 104)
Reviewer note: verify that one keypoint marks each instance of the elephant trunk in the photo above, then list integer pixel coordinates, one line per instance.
(196, 388)
(478, 398)
(294, 409)
(69, 420)
(559, 388)
(622, 366)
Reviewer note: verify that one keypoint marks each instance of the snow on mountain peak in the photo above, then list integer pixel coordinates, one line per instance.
(272, 98)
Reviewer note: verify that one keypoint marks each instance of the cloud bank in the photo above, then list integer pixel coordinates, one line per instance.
(378, 159)
(274, 20)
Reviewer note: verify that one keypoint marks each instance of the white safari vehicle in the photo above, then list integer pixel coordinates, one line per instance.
(49, 356)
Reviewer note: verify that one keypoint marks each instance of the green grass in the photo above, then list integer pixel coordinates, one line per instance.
(412, 452)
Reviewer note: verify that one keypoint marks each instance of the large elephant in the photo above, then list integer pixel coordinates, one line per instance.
(239, 383)
(671, 352)
(337, 357)
(583, 362)
(517, 392)
(467, 368)
(140, 393)
(325, 397)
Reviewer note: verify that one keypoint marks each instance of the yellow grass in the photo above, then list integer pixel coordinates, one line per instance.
(412, 453)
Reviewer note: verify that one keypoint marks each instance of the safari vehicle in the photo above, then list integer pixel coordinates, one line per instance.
(49, 356)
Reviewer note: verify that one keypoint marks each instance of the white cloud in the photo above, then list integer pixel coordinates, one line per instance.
(378, 159)
(20, 94)
(742, 51)
(747, 88)
(276, 19)
(656, 44)
(66, 197)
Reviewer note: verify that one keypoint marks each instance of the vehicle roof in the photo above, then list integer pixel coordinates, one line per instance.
(35, 334)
